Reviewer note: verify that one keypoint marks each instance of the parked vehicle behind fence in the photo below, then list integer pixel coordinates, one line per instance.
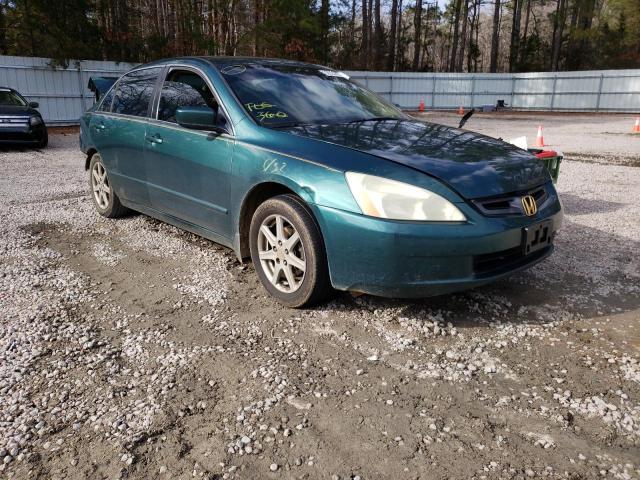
(20, 122)
(321, 182)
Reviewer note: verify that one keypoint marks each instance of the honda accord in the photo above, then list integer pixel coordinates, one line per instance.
(322, 183)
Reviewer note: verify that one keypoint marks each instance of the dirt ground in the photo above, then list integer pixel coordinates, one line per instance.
(131, 349)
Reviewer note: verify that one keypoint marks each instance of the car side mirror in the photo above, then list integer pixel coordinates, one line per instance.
(199, 118)
(34, 104)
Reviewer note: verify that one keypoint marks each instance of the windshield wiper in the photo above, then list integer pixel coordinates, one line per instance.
(374, 119)
(328, 122)
(284, 124)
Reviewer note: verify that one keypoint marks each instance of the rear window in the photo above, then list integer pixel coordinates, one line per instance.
(105, 106)
(134, 92)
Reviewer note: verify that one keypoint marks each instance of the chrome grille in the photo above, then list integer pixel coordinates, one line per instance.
(14, 121)
(511, 204)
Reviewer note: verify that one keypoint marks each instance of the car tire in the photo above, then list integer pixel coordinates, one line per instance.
(44, 141)
(104, 198)
(293, 269)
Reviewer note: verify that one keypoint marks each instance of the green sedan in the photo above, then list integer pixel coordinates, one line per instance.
(322, 183)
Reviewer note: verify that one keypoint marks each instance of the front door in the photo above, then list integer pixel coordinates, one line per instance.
(188, 170)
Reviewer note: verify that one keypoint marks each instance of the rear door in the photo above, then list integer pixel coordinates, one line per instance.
(188, 170)
(118, 128)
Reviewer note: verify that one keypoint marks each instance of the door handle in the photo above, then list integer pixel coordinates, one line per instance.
(99, 126)
(153, 138)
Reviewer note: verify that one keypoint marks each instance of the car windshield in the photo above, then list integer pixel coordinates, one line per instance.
(7, 97)
(287, 95)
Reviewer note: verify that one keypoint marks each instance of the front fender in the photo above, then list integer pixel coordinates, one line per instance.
(254, 166)
(313, 182)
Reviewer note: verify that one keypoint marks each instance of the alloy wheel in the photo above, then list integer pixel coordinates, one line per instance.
(100, 185)
(281, 253)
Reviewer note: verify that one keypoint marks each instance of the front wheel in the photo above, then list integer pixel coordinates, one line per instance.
(44, 140)
(288, 252)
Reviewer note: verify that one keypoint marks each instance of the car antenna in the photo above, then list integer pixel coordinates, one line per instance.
(466, 117)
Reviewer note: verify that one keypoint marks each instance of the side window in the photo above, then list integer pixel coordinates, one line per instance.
(134, 92)
(183, 88)
(105, 106)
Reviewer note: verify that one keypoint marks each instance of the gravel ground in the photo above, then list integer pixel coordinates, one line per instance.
(130, 349)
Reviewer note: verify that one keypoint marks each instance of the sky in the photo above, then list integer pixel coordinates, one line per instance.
(386, 5)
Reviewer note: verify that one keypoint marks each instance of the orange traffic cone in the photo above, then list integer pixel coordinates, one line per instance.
(461, 110)
(539, 137)
(636, 127)
(421, 107)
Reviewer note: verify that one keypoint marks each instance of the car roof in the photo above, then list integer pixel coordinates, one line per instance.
(223, 61)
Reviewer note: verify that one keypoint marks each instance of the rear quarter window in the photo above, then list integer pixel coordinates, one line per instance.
(134, 92)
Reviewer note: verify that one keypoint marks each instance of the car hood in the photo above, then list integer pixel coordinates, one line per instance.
(474, 165)
(16, 110)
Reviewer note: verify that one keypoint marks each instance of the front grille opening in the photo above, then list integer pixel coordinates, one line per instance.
(14, 120)
(497, 262)
(510, 204)
(496, 205)
(540, 195)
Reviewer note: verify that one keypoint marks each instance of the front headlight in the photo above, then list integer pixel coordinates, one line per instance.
(384, 198)
(35, 120)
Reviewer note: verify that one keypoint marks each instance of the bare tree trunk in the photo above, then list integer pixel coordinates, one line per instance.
(256, 27)
(324, 30)
(463, 35)
(370, 33)
(234, 27)
(391, 59)
(32, 42)
(400, 49)
(443, 47)
(585, 21)
(379, 36)
(365, 35)
(352, 22)
(417, 39)
(477, 40)
(423, 40)
(3, 30)
(514, 50)
(495, 38)
(558, 28)
(470, 49)
(456, 30)
(263, 18)
(523, 47)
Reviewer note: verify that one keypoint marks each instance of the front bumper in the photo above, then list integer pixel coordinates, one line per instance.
(22, 134)
(408, 259)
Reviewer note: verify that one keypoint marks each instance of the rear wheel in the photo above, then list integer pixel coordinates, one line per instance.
(104, 198)
(288, 252)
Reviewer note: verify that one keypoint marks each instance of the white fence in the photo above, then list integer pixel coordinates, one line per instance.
(604, 90)
(63, 94)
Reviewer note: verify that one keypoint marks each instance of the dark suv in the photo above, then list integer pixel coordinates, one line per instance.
(20, 122)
